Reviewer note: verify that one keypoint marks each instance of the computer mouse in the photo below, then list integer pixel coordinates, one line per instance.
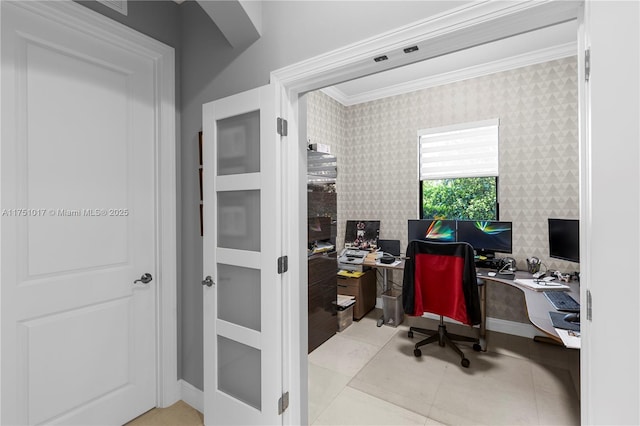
(572, 317)
(491, 274)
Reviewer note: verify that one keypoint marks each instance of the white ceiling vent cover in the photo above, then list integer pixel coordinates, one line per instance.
(118, 5)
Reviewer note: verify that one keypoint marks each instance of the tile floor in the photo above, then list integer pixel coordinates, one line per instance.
(369, 376)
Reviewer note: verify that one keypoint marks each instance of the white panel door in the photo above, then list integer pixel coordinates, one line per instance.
(77, 173)
(242, 297)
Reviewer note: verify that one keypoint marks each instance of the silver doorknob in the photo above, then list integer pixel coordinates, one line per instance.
(208, 281)
(144, 279)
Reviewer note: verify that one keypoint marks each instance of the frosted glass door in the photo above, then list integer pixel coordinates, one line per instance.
(242, 315)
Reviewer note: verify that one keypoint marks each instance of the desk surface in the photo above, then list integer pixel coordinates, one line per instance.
(371, 262)
(538, 307)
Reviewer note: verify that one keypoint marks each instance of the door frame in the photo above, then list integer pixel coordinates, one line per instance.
(456, 29)
(80, 18)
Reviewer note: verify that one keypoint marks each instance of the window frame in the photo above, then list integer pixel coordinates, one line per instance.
(455, 133)
(497, 201)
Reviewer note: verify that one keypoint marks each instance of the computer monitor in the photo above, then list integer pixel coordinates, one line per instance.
(390, 246)
(486, 236)
(362, 234)
(431, 229)
(564, 239)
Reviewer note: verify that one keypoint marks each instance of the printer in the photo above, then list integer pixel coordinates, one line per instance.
(352, 260)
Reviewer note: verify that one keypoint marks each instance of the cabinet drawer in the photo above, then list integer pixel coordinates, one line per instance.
(322, 268)
(348, 284)
(348, 290)
(363, 289)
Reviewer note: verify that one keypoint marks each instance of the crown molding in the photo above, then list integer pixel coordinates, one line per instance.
(518, 61)
(457, 29)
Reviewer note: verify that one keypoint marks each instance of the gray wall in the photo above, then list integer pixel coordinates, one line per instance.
(297, 30)
(158, 19)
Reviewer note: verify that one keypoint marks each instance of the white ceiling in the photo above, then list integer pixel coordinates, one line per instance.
(525, 49)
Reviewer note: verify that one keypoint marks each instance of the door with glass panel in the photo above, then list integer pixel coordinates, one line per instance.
(241, 285)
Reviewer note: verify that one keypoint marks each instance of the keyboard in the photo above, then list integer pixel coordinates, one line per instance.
(562, 301)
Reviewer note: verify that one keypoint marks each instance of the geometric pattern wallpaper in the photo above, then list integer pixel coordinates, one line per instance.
(376, 146)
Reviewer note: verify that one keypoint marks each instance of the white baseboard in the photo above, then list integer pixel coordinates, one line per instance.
(192, 395)
(493, 324)
(512, 327)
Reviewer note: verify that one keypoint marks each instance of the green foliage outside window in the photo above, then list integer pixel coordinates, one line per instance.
(460, 198)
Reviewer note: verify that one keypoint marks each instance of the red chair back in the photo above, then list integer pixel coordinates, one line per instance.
(440, 278)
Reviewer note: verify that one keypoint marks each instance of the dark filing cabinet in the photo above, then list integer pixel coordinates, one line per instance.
(323, 321)
(321, 238)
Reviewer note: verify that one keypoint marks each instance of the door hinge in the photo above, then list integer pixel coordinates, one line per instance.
(589, 303)
(282, 126)
(283, 264)
(587, 64)
(283, 402)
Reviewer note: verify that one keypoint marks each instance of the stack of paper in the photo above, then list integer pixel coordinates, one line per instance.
(345, 301)
(540, 285)
(571, 339)
(350, 274)
(322, 247)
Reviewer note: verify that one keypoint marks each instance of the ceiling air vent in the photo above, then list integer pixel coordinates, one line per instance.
(117, 5)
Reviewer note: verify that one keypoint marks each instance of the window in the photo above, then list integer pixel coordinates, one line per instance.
(459, 171)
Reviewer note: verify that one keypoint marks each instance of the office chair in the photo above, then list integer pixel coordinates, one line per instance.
(441, 278)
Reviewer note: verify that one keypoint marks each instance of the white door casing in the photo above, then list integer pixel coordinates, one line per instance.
(461, 27)
(242, 231)
(82, 137)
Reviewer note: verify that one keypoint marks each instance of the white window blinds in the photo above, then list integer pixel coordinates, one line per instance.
(458, 151)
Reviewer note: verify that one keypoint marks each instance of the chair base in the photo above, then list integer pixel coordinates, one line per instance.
(444, 338)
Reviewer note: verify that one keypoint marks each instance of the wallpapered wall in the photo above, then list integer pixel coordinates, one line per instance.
(376, 146)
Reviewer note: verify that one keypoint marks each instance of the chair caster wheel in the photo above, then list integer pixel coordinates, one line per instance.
(410, 334)
(417, 353)
(477, 347)
(465, 363)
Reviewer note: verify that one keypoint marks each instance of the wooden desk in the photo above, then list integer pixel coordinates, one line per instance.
(370, 261)
(538, 307)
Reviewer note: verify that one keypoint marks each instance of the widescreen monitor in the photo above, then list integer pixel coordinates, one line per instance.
(486, 236)
(564, 239)
(362, 234)
(431, 230)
